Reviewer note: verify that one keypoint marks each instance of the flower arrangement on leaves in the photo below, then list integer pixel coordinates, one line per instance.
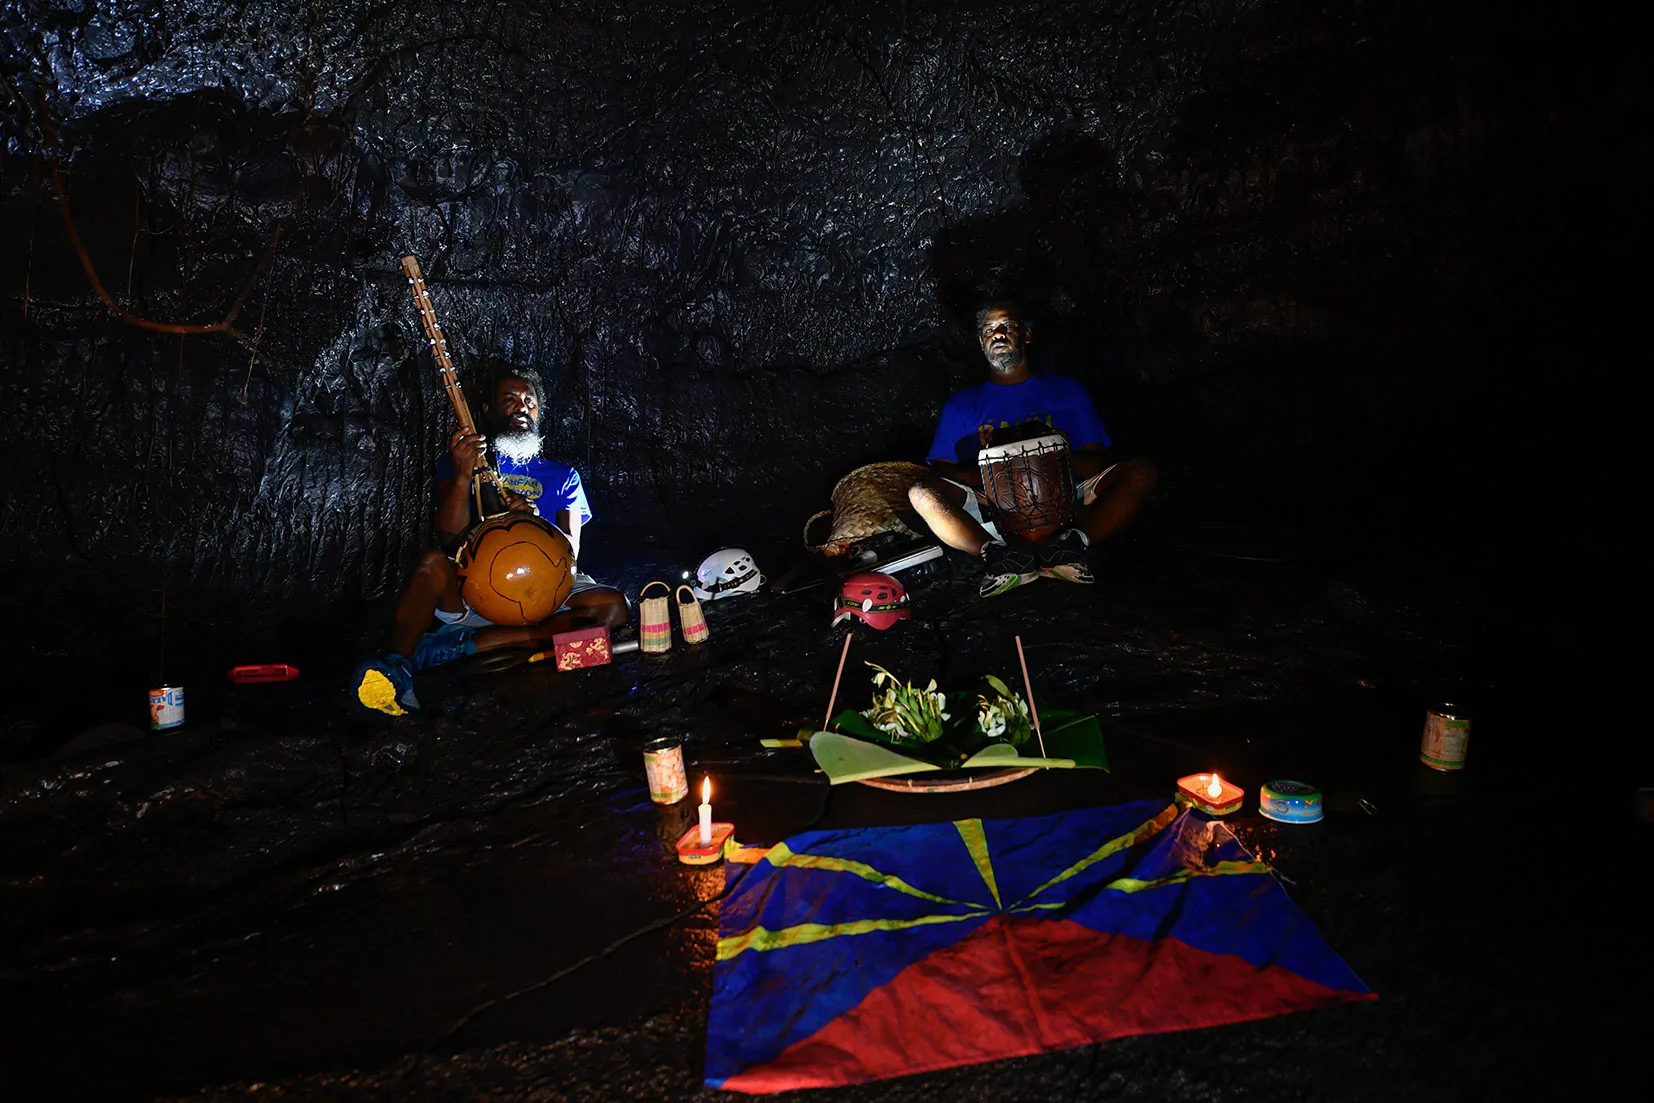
(1002, 714)
(918, 722)
(904, 713)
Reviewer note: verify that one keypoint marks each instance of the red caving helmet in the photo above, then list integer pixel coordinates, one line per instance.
(876, 598)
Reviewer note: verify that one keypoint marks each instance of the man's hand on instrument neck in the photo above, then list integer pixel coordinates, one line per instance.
(469, 451)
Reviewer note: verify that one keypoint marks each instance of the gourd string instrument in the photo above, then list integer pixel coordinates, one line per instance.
(515, 567)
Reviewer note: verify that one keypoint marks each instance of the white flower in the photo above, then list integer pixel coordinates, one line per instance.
(1005, 715)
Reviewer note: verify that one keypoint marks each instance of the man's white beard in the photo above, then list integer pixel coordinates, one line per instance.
(518, 447)
(1006, 361)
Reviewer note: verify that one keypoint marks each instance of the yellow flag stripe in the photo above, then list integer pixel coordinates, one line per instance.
(1130, 838)
(782, 855)
(762, 938)
(976, 842)
(1132, 884)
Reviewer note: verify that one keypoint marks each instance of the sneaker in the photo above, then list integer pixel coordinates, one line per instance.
(1007, 568)
(1064, 557)
(385, 685)
(444, 646)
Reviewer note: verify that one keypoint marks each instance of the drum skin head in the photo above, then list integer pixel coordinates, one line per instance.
(517, 570)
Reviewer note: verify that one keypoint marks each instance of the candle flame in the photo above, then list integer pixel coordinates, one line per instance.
(706, 790)
(1215, 789)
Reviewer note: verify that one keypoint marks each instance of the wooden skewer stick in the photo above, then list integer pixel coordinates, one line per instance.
(833, 697)
(1029, 686)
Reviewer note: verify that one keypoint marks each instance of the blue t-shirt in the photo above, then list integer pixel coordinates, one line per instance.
(1051, 400)
(550, 485)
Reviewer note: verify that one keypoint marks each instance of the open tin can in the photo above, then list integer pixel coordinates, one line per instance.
(1446, 737)
(663, 766)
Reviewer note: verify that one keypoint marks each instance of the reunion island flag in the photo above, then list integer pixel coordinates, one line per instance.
(849, 956)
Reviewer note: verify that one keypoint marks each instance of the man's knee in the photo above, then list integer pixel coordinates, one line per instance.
(931, 495)
(603, 605)
(432, 570)
(433, 566)
(1140, 474)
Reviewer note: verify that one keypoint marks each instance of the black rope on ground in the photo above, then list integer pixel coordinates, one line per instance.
(658, 925)
(1084, 1080)
(821, 813)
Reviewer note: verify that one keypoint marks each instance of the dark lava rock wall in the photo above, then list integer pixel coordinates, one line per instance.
(738, 239)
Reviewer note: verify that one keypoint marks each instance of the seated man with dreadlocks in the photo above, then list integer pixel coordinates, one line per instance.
(534, 483)
(1015, 406)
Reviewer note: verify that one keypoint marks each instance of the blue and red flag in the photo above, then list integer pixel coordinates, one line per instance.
(849, 956)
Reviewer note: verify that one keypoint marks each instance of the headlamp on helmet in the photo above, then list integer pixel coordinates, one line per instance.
(874, 597)
(725, 573)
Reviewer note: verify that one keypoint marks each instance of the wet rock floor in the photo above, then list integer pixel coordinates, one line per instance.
(292, 902)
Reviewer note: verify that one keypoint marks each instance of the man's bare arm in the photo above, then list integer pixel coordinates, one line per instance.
(570, 524)
(453, 496)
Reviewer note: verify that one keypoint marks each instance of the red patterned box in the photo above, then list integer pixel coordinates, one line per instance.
(583, 647)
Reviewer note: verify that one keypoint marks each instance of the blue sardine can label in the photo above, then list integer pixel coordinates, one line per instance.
(166, 708)
(1291, 802)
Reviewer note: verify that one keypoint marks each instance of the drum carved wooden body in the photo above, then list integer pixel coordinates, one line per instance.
(1030, 485)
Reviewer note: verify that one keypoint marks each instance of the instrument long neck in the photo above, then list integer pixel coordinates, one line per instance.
(450, 382)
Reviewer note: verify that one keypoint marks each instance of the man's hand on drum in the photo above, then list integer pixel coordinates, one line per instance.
(468, 451)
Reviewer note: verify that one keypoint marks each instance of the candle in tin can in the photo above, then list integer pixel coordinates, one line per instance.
(1446, 737)
(663, 765)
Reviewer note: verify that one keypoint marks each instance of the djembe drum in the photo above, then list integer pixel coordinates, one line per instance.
(1030, 484)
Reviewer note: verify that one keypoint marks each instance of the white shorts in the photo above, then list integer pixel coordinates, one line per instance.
(1084, 494)
(468, 617)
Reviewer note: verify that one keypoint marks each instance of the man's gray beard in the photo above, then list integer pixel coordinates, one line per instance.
(1005, 361)
(518, 447)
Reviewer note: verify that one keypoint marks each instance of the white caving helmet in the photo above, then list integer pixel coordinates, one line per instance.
(725, 573)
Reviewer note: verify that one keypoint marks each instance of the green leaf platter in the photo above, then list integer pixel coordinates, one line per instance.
(857, 751)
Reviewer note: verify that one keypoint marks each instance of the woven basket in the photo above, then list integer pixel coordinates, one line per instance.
(690, 616)
(868, 502)
(654, 629)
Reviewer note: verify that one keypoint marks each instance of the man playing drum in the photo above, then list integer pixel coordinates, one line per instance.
(1010, 425)
(535, 484)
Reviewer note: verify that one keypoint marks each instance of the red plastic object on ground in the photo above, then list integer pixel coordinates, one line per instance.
(692, 853)
(263, 672)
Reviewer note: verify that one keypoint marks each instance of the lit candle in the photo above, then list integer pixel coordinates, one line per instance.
(1209, 793)
(706, 812)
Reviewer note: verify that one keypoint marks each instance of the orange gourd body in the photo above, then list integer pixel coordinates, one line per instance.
(516, 569)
